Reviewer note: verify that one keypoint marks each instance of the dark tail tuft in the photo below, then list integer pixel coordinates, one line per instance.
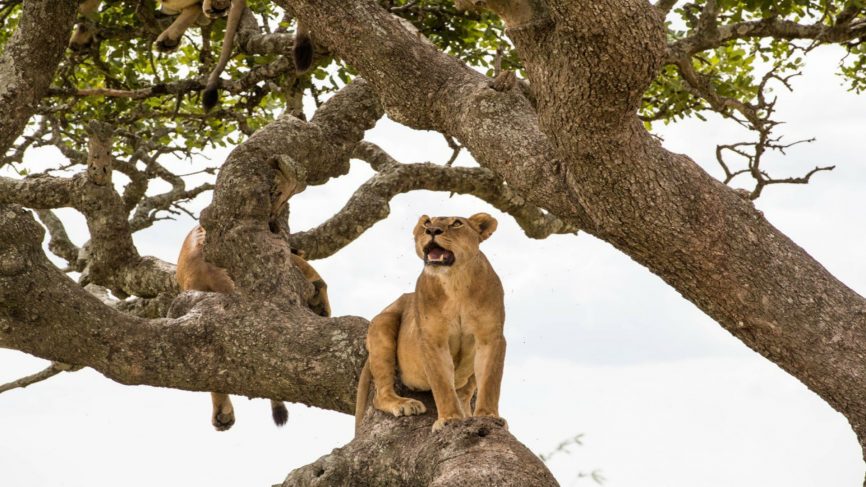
(209, 98)
(303, 51)
(279, 412)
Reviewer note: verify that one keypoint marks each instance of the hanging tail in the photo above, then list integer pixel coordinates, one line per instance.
(362, 396)
(303, 49)
(210, 95)
(279, 413)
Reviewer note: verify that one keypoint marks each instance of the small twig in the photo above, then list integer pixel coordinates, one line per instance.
(52, 370)
(401, 8)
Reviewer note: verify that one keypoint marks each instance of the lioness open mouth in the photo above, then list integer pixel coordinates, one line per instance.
(436, 255)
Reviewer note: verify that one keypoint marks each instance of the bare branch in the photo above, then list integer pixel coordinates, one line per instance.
(311, 152)
(845, 29)
(371, 202)
(112, 259)
(52, 370)
(59, 244)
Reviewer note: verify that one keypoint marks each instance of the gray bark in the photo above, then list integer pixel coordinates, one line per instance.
(28, 62)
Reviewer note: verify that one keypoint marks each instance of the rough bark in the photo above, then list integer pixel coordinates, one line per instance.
(389, 451)
(28, 62)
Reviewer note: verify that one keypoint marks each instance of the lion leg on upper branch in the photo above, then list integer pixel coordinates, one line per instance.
(216, 8)
(382, 349)
(170, 37)
(223, 416)
(319, 303)
(84, 33)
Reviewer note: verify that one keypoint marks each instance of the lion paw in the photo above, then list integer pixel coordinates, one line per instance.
(223, 420)
(405, 407)
(165, 44)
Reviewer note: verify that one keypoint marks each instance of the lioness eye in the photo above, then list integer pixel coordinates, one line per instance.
(457, 224)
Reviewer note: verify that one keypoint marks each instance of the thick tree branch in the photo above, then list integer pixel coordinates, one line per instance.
(426, 89)
(312, 152)
(112, 259)
(402, 451)
(28, 62)
(224, 343)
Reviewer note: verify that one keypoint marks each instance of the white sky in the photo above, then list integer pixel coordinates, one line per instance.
(597, 344)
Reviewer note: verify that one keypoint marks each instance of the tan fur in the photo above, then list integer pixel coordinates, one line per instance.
(447, 335)
(84, 33)
(195, 273)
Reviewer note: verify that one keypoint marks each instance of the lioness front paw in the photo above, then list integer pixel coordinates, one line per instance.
(222, 420)
(404, 407)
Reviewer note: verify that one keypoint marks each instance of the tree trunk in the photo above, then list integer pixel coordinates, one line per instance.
(29, 60)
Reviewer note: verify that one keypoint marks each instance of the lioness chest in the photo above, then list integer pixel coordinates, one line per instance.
(452, 312)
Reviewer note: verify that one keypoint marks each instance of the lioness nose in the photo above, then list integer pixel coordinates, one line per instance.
(433, 231)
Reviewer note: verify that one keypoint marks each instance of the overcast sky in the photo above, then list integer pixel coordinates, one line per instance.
(597, 344)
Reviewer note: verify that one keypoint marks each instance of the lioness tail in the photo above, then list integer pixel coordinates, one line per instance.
(279, 413)
(363, 394)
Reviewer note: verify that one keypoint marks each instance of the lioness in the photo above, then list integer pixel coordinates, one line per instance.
(447, 335)
(194, 273)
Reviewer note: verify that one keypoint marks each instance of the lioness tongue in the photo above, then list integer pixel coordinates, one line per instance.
(436, 254)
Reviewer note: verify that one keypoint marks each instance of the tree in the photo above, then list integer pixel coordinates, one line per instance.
(567, 149)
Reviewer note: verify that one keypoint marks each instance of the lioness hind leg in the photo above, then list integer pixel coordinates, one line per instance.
(223, 416)
(170, 37)
(382, 348)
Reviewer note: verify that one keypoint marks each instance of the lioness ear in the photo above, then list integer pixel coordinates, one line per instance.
(485, 224)
(420, 225)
